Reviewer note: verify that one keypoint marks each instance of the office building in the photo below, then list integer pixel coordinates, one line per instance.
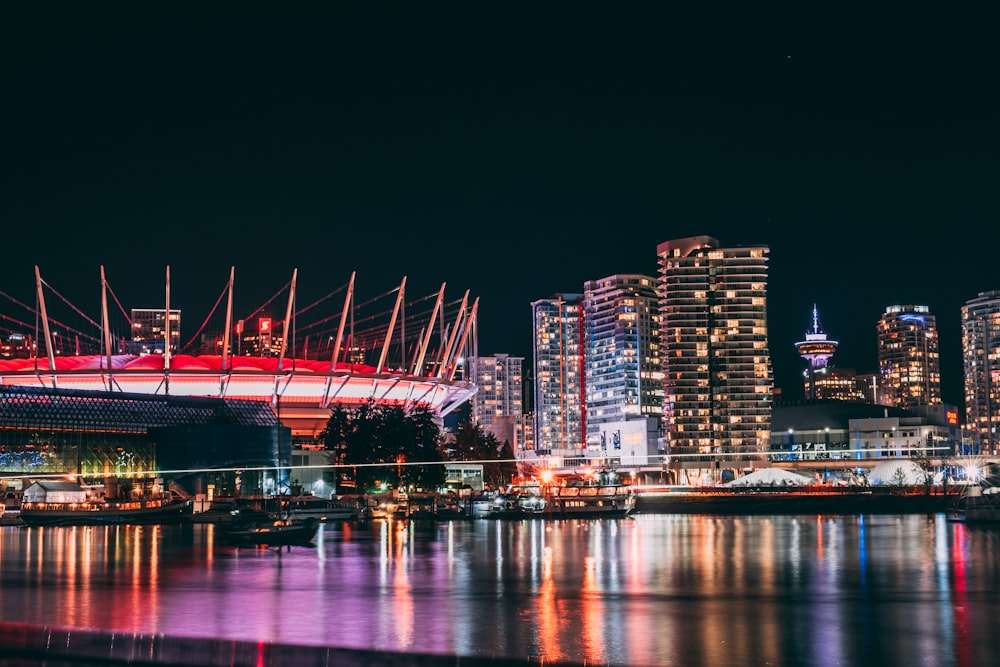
(149, 330)
(718, 380)
(835, 383)
(981, 362)
(623, 378)
(908, 358)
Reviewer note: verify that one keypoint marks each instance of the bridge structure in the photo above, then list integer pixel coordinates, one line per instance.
(386, 350)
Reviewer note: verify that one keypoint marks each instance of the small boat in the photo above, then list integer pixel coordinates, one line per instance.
(321, 509)
(250, 528)
(58, 503)
(219, 511)
(483, 504)
(428, 506)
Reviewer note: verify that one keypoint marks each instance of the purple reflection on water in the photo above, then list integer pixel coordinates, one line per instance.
(649, 590)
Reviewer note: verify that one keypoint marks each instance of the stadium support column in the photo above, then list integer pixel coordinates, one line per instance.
(45, 322)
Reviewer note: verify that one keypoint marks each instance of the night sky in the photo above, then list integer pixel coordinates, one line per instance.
(511, 151)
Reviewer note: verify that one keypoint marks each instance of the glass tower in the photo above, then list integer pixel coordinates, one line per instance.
(623, 376)
(981, 362)
(557, 347)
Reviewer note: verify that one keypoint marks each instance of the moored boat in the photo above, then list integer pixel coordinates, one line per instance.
(316, 507)
(58, 503)
(585, 495)
(255, 529)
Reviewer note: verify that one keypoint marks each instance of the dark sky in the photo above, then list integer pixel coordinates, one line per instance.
(507, 150)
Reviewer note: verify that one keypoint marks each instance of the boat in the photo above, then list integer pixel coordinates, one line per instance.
(321, 509)
(255, 528)
(220, 510)
(588, 494)
(61, 503)
(429, 506)
(483, 504)
(978, 503)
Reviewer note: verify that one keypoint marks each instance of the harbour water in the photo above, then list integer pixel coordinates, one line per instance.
(652, 589)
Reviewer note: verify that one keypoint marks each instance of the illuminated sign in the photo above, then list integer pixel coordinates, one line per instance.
(264, 325)
(951, 416)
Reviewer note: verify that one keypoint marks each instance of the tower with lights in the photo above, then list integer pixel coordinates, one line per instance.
(817, 350)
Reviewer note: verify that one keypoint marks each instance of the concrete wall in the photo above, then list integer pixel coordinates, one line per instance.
(82, 646)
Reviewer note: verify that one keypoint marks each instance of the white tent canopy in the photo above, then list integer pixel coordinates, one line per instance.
(771, 477)
(898, 472)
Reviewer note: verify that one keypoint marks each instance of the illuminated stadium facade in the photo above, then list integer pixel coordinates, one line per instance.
(408, 354)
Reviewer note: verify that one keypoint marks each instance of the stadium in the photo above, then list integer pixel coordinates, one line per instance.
(300, 361)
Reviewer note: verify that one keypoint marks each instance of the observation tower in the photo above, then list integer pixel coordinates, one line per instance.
(817, 350)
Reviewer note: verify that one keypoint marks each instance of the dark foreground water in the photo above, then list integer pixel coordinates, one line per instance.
(649, 590)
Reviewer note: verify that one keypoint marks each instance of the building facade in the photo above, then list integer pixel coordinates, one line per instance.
(825, 432)
(498, 404)
(558, 357)
(981, 363)
(835, 383)
(149, 331)
(97, 434)
(908, 357)
(718, 380)
(623, 378)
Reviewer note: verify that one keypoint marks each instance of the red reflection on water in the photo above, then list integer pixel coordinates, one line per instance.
(963, 652)
(548, 613)
(593, 614)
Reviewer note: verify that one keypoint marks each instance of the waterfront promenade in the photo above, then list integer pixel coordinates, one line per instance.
(25, 645)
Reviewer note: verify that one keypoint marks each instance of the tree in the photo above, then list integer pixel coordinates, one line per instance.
(382, 443)
(474, 444)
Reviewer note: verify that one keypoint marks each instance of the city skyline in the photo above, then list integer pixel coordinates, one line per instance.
(512, 158)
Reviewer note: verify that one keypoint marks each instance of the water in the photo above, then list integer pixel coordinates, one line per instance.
(654, 589)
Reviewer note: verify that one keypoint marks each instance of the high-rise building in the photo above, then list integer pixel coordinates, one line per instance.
(718, 380)
(908, 358)
(149, 330)
(981, 362)
(837, 384)
(497, 405)
(817, 349)
(623, 377)
(869, 386)
(558, 351)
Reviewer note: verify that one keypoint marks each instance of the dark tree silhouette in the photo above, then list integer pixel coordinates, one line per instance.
(385, 443)
(472, 443)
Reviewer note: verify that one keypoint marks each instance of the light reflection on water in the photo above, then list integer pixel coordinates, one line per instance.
(649, 590)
